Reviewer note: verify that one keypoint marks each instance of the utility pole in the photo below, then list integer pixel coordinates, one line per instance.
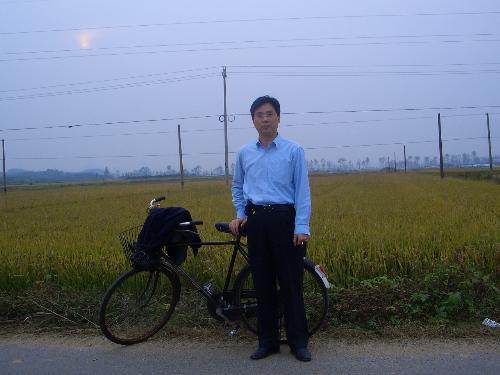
(181, 167)
(489, 139)
(4, 175)
(441, 170)
(395, 167)
(226, 152)
(404, 153)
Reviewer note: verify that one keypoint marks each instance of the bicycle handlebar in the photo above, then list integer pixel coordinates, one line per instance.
(192, 222)
(154, 202)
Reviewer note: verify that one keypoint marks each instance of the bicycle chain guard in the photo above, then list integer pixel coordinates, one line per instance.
(224, 306)
(212, 307)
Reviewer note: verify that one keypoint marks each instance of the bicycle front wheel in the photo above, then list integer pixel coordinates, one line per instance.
(315, 299)
(138, 304)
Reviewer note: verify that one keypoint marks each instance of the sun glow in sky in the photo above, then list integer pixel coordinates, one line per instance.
(84, 40)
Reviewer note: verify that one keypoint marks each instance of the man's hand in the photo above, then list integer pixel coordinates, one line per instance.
(235, 226)
(300, 239)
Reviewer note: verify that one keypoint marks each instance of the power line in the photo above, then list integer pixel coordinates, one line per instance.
(128, 122)
(216, 49)
(469, 114)
(233, 152)
(367, 73)
(249, 20)
(244, 66)
(77, 91)
(117, 134)
(107, 88)
(360, 121)
(138, 46)
(395, 143)
(219, 129)
(91, 136)
(374, 110)
(353, 122)
(409, 109)
(242, 74)
(361, 65)
(111, 79)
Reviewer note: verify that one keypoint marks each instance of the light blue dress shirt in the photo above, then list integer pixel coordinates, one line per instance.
(273, 175)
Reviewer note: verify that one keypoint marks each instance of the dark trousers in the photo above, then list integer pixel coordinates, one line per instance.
(272, 257)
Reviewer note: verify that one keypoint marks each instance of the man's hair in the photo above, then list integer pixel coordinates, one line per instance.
(264, 100)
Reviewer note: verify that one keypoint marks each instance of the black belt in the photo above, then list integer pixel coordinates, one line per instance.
(251, 208)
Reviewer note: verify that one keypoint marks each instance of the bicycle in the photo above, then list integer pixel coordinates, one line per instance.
(141, 300)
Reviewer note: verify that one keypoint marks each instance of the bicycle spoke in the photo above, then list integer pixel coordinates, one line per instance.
(137, 305)
(315, 299)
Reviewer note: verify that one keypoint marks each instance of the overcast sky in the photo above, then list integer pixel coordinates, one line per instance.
(102, 65)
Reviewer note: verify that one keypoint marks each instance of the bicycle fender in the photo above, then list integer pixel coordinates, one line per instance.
(318, 269)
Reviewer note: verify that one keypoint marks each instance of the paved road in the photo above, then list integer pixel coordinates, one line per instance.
(26, 354)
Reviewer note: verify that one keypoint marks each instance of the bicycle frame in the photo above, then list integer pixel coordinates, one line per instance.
(237, 248)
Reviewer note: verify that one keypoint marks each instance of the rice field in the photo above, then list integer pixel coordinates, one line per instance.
(363, 226)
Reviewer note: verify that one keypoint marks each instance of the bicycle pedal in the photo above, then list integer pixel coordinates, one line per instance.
(209, 287)
(234, 331)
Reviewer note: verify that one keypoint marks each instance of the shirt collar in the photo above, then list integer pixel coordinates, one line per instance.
(276, 141)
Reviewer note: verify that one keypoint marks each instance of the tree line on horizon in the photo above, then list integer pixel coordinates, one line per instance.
(323, 165)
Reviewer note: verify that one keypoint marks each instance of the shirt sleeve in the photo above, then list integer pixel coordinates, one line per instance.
(302, 193)
(239, 201)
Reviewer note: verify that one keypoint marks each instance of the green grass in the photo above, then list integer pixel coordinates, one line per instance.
(470, 173)
(364, 226)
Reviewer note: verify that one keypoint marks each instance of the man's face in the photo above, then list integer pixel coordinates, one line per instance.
(266, 121)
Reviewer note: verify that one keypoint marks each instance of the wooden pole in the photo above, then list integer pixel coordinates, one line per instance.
(226, 152)
(181, 167)
(489, 139)
(404, 153)
(441, 169)
(4, 175)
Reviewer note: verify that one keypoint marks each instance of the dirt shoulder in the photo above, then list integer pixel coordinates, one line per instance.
(321, 343)
(214, 333)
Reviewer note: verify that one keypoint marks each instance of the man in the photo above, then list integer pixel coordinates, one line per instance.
(272, 200)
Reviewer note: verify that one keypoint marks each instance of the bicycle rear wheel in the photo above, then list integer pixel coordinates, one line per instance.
(138, 304)
(315, 299)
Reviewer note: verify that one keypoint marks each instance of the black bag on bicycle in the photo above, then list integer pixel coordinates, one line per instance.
(159, 231)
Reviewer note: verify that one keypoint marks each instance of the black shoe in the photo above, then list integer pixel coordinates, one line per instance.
(264, 352)
(302, 354)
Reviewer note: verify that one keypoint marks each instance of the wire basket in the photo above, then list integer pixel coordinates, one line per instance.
(174, 252)
(128, 240)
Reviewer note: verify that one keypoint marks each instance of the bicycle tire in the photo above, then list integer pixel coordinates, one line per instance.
(138, 304)
(315, 299)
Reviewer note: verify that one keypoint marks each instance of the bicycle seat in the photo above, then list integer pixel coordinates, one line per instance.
(223, 226)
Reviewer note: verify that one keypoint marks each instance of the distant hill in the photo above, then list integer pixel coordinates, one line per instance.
(21, 176)
(96, 171)
(16, 171)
